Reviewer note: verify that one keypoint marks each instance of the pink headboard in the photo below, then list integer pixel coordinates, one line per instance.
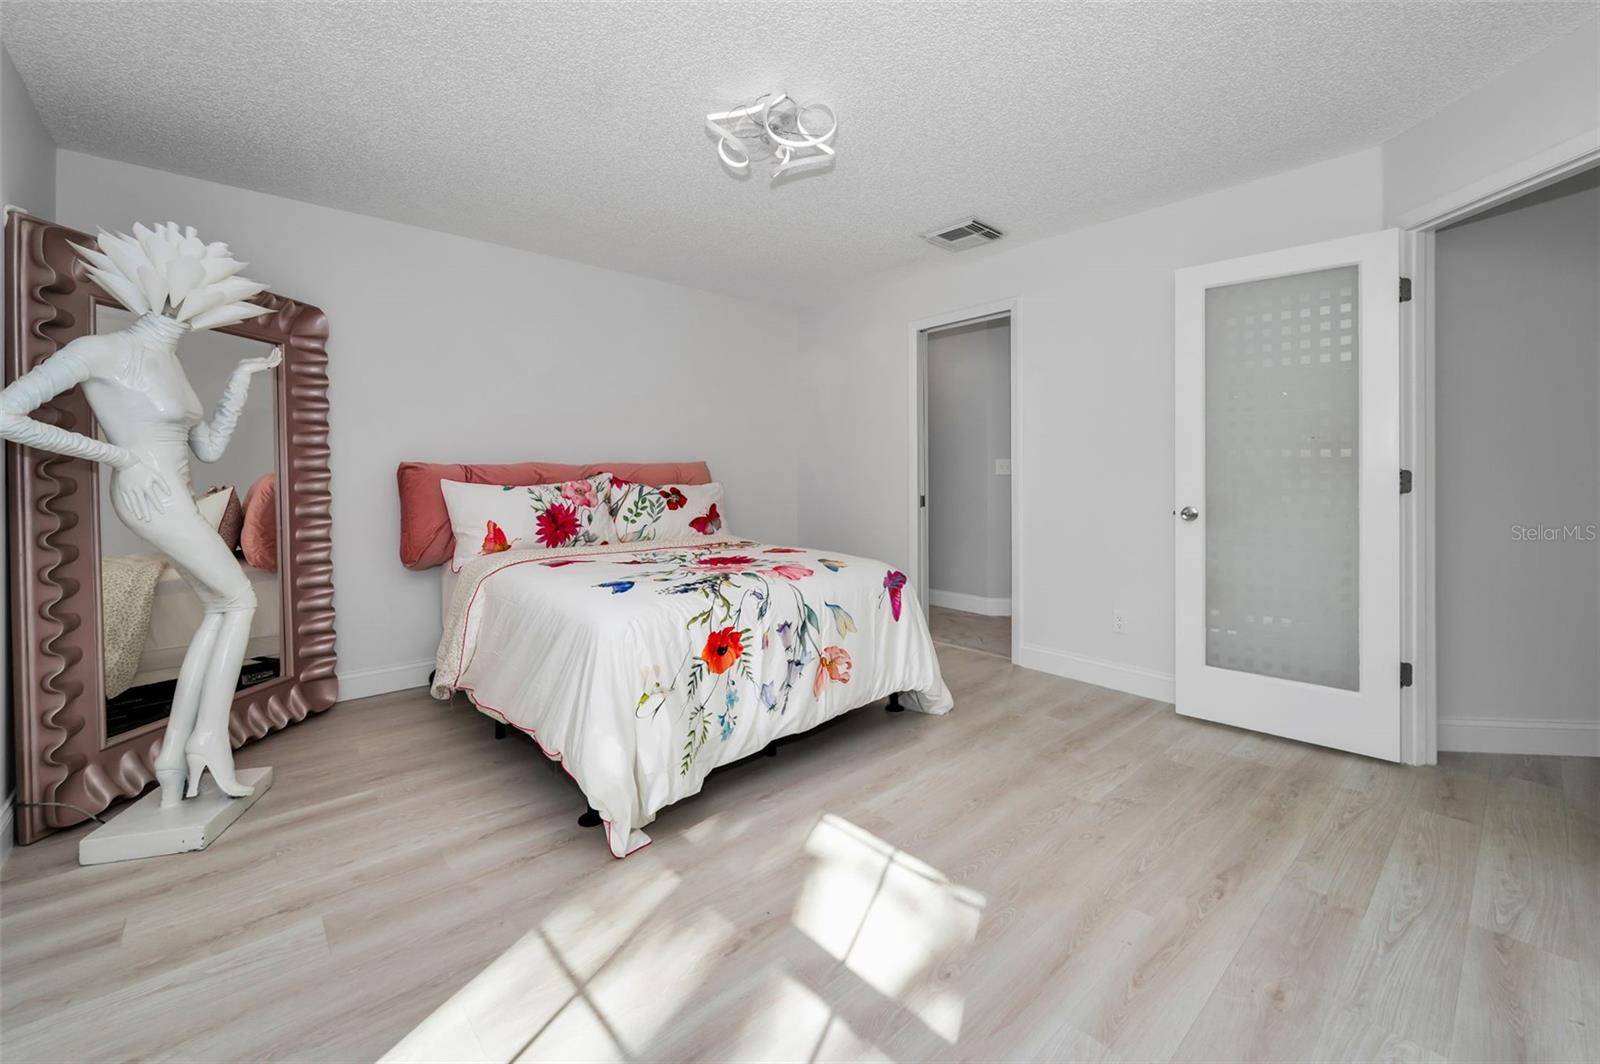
(425, 537)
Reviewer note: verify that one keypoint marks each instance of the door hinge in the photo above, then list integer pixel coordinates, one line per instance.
(1405, 289)
(1405, 482)
(922, 501)
(1405, 674)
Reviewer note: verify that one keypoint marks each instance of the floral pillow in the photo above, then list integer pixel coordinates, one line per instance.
(669, 512)
(489, 518)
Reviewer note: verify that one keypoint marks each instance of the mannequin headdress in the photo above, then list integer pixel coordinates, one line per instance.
(168, 271)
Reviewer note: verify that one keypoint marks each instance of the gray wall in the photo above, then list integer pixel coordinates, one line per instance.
(1518, 393)
(969, 426)
(27, 179)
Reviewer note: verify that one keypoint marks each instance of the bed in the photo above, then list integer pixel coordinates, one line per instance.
(641, 667)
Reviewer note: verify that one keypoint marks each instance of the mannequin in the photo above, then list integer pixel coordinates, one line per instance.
(152, 420)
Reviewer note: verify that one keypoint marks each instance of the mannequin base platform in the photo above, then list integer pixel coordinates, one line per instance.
(144, 829)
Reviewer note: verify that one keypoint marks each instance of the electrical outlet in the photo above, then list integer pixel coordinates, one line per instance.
(1002, 467)
(1119, 621)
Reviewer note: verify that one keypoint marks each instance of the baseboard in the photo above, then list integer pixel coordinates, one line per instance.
(1572, 738)
(1146, 683)
(364, 683)
(8, 829)
(955, 600)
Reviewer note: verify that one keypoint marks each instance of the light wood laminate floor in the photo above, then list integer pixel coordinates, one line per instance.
(1054, 871)
(973, 631)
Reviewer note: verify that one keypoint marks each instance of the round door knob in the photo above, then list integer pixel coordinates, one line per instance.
(1188, 513)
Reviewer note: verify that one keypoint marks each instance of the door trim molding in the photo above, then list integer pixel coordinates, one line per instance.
(916, 564)
(1419, 704)
(1543, 168)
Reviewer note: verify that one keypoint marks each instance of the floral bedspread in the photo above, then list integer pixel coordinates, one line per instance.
(642, 667)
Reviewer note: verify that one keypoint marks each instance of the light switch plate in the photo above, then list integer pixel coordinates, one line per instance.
(1002, 467)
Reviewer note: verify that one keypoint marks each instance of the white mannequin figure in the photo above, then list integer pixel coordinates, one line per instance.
(153, 419)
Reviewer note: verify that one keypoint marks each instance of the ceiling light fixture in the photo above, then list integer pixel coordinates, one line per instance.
(796, 136)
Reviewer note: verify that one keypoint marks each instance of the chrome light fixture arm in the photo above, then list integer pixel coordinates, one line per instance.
(776, 124)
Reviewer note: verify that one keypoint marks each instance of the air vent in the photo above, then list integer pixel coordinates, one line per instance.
(958, 236)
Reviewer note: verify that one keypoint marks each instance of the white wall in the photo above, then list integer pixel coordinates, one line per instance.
(1093, 332)
(27, 179)
(1544, 101)
(1518, 445)
(969, 506)
(449, 349)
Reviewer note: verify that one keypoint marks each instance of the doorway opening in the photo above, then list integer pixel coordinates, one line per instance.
(966, 494)
(1516, 457)
(1422, 532)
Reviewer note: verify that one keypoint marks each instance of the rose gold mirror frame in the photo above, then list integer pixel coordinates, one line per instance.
(63, 754)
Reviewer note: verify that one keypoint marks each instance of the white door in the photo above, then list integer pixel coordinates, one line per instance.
(1288, 493)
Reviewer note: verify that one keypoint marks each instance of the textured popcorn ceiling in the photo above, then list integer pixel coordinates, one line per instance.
(575, 129)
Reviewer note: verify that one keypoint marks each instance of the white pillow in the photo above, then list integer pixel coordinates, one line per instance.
(669, 512)
(213, 506)
(489, 518)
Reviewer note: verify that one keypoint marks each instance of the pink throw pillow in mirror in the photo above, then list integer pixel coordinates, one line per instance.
(259, 536)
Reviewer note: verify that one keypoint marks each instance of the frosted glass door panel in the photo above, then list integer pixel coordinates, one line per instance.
(1282, 394)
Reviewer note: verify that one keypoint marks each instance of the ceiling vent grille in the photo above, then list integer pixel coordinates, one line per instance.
(958, 236)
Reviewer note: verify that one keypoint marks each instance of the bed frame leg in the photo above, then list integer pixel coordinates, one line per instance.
(894, 705)
(500, 729)
(431, 674)
(590, 818)
(772, 749)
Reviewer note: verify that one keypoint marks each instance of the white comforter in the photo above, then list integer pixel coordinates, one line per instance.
(644, 666)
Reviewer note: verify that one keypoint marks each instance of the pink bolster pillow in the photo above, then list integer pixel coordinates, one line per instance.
(258, 538)
(425, 536)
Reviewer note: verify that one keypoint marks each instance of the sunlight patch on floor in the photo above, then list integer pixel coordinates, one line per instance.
(605, 975)
(897, 923)
(790, 1021)
(537, 991)
(646, 985)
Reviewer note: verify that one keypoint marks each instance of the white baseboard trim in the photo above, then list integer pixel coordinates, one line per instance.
(364, 683)
(955, 600)
(1572, 738)
(1146, 683)
(7, 827)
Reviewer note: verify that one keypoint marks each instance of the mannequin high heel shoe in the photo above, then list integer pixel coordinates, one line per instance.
(171, 781)
(203, 753)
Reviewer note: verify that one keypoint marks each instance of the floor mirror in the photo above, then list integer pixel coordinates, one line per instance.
(100, 620)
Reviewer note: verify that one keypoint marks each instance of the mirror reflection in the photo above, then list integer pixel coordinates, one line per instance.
(149, 613)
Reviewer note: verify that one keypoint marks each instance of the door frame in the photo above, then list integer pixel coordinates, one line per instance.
(1419, 703)
(918, 363)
